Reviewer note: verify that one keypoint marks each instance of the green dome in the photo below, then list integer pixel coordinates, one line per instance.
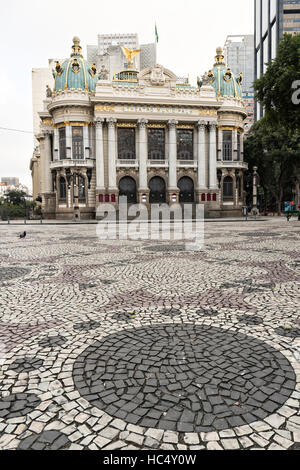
(75, 73)
(223, 79)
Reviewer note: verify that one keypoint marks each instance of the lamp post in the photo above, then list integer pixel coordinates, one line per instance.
(255, 185)
(73, 177)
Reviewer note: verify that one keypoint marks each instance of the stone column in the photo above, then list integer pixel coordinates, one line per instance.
(69, 151)
(212, 156)
(112, 171)
(172, 189)
(99, 154)
(220, 144)
(201, 154)
(235, 152)
(143, 156)
(47, 170)
(242, 146)
(86, 141)
(56, 145)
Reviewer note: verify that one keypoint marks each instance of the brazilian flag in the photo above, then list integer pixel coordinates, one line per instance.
(156, 33)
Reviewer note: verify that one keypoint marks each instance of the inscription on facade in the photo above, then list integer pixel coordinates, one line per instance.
(155, 110)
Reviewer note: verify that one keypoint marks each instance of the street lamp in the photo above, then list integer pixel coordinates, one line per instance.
(255, 186)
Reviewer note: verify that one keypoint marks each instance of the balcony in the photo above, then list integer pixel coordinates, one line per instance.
(158, 163)
(68, 163)
(187, 163)
(127, 163)
(232, 164)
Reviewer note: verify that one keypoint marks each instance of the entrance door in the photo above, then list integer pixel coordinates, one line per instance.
(186, 186)
(127, 187)
(157, 188)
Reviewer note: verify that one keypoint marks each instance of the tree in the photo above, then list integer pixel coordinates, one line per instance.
(274, 90)
(275, 150)
(273, 144)
(16, 198)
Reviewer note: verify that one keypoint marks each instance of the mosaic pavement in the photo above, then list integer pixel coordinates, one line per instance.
(143, 345)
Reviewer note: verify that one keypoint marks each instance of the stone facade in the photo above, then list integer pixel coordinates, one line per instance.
(81, 160)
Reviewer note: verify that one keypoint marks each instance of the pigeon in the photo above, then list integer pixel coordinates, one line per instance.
(23, 235)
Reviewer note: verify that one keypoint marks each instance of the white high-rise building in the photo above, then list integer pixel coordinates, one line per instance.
(41, 78)
(108, 53)
(239, 56)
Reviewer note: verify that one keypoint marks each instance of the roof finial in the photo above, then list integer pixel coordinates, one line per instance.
(77, 49)
(219, 57)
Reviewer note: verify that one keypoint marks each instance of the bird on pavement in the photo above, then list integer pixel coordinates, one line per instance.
(23, 235)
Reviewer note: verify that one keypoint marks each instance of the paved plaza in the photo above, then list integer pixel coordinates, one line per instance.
(143, 345)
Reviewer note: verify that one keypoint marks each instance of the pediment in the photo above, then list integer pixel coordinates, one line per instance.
(157, 76)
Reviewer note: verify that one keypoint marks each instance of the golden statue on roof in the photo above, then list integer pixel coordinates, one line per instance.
(130, 55)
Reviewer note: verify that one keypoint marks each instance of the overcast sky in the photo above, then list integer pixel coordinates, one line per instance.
(33, 31)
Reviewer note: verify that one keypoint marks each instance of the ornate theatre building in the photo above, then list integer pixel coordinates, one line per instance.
(144, 135)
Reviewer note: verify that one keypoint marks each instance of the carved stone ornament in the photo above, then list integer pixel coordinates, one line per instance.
(104, 75)
(142, 123)
(99, 122)
(202, 125)
(157, 77)
(206, 80)
(48, 92)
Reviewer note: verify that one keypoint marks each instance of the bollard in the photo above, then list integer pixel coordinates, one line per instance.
(8, 220)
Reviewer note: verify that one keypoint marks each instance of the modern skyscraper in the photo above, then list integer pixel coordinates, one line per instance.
(108, 53)
(272, 18)
(239, 56)
(238, 51)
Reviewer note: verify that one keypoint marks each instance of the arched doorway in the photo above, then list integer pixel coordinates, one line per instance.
(186, 187)
(157, 188)
(228, 188)
(127, 187)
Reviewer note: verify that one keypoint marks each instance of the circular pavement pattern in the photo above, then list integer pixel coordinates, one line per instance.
(6, 273)
(288, 332)
(52, 342)
(47, 440)
(87, 326)
(250, 320)
(18, 404)
(26, 364)
(188, 378)
(124, 316)
(170, 312)
(208, 313)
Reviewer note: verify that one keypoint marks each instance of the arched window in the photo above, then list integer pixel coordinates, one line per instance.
(62, 188)
(157, 188)
(127, 187)
(228, 187)
(186, 186)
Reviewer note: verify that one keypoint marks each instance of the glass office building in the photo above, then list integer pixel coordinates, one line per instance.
(273, 18)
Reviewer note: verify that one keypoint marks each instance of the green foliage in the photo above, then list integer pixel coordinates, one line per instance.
(15, 198)
(273, 144)
(274, 89)
(15, 211)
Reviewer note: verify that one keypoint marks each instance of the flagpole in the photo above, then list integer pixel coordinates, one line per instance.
(156, 42)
